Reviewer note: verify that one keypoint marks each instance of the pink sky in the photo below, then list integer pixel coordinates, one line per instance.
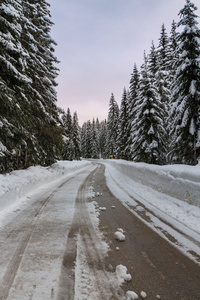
(98, 43)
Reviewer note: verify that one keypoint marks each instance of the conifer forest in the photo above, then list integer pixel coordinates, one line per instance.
(157, 122)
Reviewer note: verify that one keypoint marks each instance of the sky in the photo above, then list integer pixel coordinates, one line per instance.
(98, 42)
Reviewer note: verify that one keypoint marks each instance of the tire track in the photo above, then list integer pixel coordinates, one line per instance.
(83, 233)
(27, 226)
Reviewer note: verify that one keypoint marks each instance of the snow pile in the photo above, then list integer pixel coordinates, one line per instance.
(180, 181)
(130, 295)
(119, 236)
(143, 295)
(121, 273)
(102, 208)
(19, 184)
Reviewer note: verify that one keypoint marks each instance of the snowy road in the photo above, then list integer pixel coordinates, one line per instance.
(61, 242)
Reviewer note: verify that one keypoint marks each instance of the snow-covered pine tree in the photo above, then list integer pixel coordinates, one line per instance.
(12, 81)
(76, 137)
(112, 128)
(29, 117)
(83, 140)
(185, 113)
(102, 138)
(40, 67)
(95, 144)
(89, 139)
(123, 151)
(133, 93)
(163, 72)
(69, 151)
(173, 44)
(67, 121)
(148, 128)
(153, 61)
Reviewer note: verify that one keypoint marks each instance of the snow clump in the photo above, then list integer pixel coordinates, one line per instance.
(131, 295)
(143, 295)
(120, 229)
(102, 208)
(121, 273)
(119, 236)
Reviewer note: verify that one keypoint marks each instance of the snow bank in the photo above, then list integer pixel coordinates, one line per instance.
(179, 181)
(19, 184)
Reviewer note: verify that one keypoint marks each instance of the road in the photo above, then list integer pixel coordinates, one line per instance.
(61, 246)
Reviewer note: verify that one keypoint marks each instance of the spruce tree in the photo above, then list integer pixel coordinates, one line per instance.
(185, 113)
(84, 140)
(148, 129)
(13, 120)
(95, 146)
(102, 138)
(153, 61)
(76, 137)
(173, 44)
(30, 128)
(89, 139)
(112, 128)
(133, 93)
(67, 122)
(37, 42)
(123, 151)
(163, 72)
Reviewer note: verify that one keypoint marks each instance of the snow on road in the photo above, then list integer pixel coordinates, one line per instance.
(166, 198)
(17, 187)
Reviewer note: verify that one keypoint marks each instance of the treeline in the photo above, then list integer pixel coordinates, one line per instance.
(159, 117)
(31, 131)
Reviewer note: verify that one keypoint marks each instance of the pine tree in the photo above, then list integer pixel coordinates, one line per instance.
(173, 44)
(95, 146)
(69, 150)
(89, 140)
(133, 93)
(40, 67)
(76, 137)
(123, 151)
(12, 80)
(163, 74)
(102, 138)
(67, 122)
(153, 61)
(83, 140)
(148, 130)
(30, 129)
(112, 128)
(185, 114)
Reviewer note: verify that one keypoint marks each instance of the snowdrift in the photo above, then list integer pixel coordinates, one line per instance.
(19, 184)
(179, 181)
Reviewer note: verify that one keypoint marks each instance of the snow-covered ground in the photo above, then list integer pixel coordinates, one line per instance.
(171, 194)
(18, 186)
(168, 195)
(166, 198)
